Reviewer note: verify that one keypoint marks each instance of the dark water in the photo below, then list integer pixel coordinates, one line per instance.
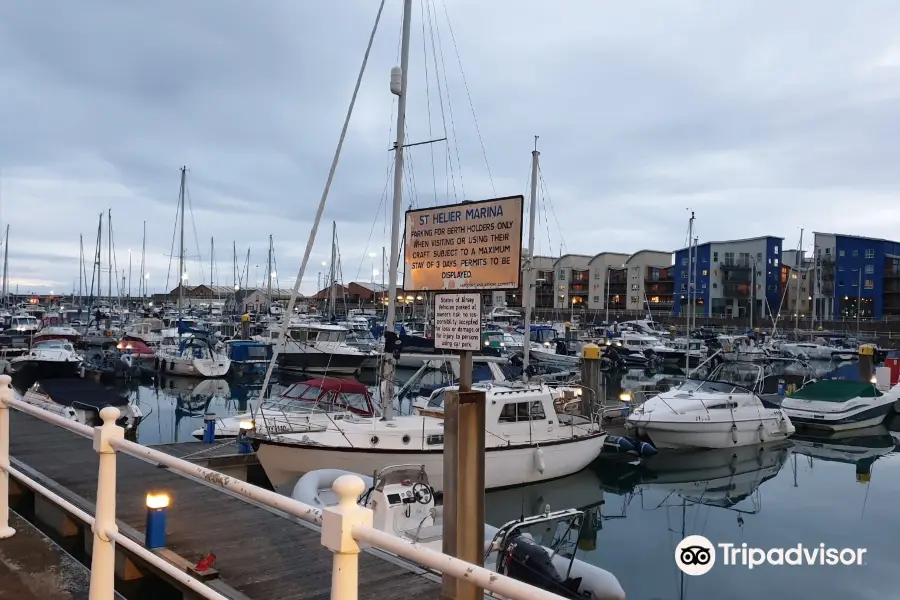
(843, 493)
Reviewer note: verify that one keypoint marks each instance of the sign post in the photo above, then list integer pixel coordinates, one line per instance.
(458, 251)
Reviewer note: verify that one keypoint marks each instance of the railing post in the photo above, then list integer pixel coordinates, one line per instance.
(337, 525)
(6, 393)
(103, 557)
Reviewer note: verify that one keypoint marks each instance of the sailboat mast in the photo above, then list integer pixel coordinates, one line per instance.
(399, 89)
(181, 244)
(109, 255)
(6, 268)
(269, 277)
(332, 275)
(797, 263)
(687, 351)
(212, 254)
(80, 270)
(142, 286)
(528, 283)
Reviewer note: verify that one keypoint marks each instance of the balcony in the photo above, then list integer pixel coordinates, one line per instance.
(736, 290)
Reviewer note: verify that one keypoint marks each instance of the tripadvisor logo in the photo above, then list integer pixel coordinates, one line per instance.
(696, 555)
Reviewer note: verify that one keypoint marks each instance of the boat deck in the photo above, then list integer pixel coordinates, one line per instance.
(261, 553)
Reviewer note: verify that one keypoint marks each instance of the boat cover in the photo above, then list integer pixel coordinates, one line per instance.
(82, 393)
(836, 390)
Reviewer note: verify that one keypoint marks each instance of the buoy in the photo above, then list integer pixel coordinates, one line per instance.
(734, 433)
(539, 464)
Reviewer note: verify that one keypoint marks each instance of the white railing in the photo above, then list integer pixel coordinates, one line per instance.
(345, 527)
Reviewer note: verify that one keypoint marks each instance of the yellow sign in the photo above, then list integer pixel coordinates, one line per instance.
(467, 246)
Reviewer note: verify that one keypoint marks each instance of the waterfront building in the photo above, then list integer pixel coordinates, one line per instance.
(730, 277)
(651, 285)
(607, 281)
(572, 280)
(856, 275)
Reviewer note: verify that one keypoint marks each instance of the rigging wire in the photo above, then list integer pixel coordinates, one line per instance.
(428, 100)
(469, 95)
(187, 194)
(548, 200)
(439, 53)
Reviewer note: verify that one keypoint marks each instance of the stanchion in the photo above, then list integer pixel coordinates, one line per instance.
(103, 556)
(6, 393)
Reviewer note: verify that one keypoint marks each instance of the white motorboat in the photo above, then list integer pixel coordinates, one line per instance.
(817, 350)
(843, 404)
(526, 441)
(304, 405)
(539, 550)
(740, 348)
(81, 400)
(23, 324)
(49, 358)
(709, 414)
(148, 331)
(859, 446)
(193, 356)
(313, 347)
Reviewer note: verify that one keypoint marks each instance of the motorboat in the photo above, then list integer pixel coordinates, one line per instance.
(708, 414)
(54, 328)
(81, 400)
(23, 324)
(148, 331)
(310, 347)
(539, 550)
(304, 405)
(741, 348)
(526, 440)
(248, 357)
(194, 355)
(49, 358)
(842, 404)
(861, 447)
(818, 350)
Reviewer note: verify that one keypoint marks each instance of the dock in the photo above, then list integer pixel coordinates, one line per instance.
(261, 553)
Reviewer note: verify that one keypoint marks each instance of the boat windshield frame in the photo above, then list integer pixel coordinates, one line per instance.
(713, 386)
(314, 399)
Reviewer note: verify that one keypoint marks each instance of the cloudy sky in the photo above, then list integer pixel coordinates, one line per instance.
(762, 117)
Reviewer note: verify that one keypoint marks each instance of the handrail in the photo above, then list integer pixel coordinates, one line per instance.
(344, 527)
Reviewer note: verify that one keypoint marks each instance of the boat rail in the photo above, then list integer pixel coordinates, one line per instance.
(346, 527)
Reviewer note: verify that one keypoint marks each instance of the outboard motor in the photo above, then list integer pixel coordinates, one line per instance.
(529, 562)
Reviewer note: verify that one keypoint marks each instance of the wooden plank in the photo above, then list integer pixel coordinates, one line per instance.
(259, 553)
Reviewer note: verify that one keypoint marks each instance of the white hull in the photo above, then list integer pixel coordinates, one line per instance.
(552, 358)
(197, 367)
(711, 434)
(284, 463)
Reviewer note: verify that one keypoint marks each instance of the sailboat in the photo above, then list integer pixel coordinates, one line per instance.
(194, 354)
(526, 439)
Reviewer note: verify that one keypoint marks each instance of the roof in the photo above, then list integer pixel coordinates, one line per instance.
(667, 253)
(333, 384)
(596, 256)
(858, 237)
(575, 256)
(740, 241)
(371, 286)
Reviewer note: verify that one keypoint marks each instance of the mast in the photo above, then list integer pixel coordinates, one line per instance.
(687, 351)
(80, 270)
(212, 253)
(797, 262)
(813, 290)
(398, 87)
(142, 286)
(109, 256)
(181, 245)
(234, 275)
(332, 274)
(528, 283)
(6, 268)
(269, 277)
(129, 276)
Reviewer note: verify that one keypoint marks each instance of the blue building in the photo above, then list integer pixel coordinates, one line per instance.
(731, 277)
(855, 274)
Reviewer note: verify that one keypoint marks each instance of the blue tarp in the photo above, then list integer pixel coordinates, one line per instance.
(849, 372)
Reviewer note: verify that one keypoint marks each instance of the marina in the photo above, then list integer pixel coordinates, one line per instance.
(260, 379)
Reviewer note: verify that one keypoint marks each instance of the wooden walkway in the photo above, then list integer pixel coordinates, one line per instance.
(260, 553)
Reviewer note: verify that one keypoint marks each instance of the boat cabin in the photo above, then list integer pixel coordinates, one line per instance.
(325, 395)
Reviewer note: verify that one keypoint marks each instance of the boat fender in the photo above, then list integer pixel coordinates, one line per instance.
(527, 561)
(539, 464)
(615, 443)
(761, 432)
(734, 433)
(645, 449)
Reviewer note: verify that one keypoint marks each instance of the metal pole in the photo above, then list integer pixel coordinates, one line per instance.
(388, 360)
(528, 285)
(797, 262)
(103, 554)
(858, 301)
(464, 488)
(181, 246)
(687, 352)
(6, 394)
(607, 296)
(752, 290)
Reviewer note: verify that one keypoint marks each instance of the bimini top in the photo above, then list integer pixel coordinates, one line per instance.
(836, 390)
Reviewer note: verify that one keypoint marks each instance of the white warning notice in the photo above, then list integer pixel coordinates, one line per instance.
(457, 322)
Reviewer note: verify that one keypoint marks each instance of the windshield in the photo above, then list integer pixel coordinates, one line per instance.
(53, 344)
(712, 387)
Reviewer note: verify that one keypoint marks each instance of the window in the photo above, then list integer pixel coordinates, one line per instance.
(856, 253)
(596, 299)
(870, 253)
(514, 412)
(562, 275)
(715, 257)
(775, 262)
(715, 286)
(870, 269)
(840, 252)
(434, 440)
(684, 274)
(827, 250)
(684, 262)
(841, 268)
(596, 274)
(704, 272)
(729, 258)
(634, 287)
(775, 250)
(683, 287)
(759, 256)
(869, 284)
(634, 300)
